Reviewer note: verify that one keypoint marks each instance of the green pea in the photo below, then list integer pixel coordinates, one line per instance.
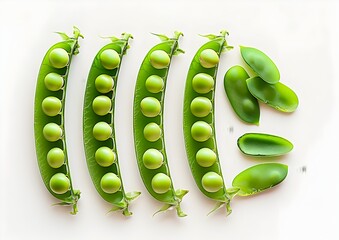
(59, 58)
(102, 131)
(53, 81)
(56, 157)
(201, 131)
(206, 157)
(102, 105)
(152, 132)
(161, 183)
(278, 95)
(201, 106)
(110, 59)
(52, 132)
(153, 158)
(154, 84)
(202, 83)
(261, 64)
(259, 144)
(59, 183)
(110, 183)
(259, 178)
(212, 182)
(51, 106)
(150, 106)
(104, 156)
(209, 58)
(243, 103)
(104, 83)
(159, 59)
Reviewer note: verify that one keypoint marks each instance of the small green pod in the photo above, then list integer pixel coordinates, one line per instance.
(261, 64)
(278, 95)
(242, 101)
(260, 144)
(258, 178)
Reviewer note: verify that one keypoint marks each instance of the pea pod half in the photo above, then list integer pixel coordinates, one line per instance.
(259, 178)
(261, 64)
(259, 144)
(49, 108)
(278, 95)
(242, 101)
(98, 124)
(148, 123)
(198, 121)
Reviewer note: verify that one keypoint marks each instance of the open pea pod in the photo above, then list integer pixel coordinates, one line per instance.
(260, 144)
(278, 95)
(258, 178)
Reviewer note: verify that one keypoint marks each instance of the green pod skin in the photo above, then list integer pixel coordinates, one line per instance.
(278, 95)
(261, 64)
(259, 178)
(259, 144)
(171, 197)
(242, 101)
(119, 199)
(218, 44)
(42, 145)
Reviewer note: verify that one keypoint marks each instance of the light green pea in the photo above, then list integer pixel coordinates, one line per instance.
(212, 182)
(206, 157)
(52, 132)
(53, 81)
(209, 58)
(202, 83)
(110, 59)
(59, 183)
(102, 131)
(153, 158)
(55, 157)
(201, 131)
(159, 59)
(152, 132)
(110, 183)
(104, 83)
(161, 183)
(201, 106)
(104, 156)
(150, 107)
(102, 105)
(154, 84)
(58, 58)
(51, 106)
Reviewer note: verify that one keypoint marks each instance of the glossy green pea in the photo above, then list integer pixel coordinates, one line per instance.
(278, 95)
(50, 141)
(242, 101)
(102, 156)
(198, 121)
(53, 81)
(259, 144)
(261, 64)
(259, 178)
(148, 122)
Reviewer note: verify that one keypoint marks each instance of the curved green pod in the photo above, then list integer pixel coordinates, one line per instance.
(261, 64)
(242, 101)
(49, 108)
(199, 129)
(259, 178)
(259, 144)
(278, 95)
(98, 125)
(148, 123)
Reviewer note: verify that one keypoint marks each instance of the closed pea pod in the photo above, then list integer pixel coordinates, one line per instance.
(50, 141)
(98, 124)
(148, 123)
(198, 121)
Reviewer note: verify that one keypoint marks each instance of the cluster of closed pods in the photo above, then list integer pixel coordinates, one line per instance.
(98, 125)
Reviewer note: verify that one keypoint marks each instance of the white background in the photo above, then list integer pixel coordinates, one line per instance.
(301, 37)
